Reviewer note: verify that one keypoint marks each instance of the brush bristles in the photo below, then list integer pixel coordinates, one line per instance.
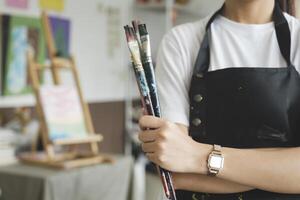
(135, 24)
(143, 29)
(128, 33)
(132, 33)
(135, 34)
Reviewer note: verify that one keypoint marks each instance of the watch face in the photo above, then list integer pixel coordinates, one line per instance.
(216, 161)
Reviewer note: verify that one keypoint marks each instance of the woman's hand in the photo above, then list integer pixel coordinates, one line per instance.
(168, 146)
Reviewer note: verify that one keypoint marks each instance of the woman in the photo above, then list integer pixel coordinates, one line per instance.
(238, 97)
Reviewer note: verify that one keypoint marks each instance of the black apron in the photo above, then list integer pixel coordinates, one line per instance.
(245, 107)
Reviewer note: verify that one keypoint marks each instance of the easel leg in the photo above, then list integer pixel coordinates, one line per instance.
(94, 148)
(35, 141)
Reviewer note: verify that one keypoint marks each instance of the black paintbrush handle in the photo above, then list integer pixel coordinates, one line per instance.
(167, 183)
(149, 72)
(144, 91)
(148, 106)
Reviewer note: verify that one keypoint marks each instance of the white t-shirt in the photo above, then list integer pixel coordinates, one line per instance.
(233, 45)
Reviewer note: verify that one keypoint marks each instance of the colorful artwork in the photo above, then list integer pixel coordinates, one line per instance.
(61, 33)
(17, 74)
(63, 112)
(17, 3)
(24, 34)
(57, 5)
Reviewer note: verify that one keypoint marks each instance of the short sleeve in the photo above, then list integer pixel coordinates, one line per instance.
(295, 46)
(172, 81)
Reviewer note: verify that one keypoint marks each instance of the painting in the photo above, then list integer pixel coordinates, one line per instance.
(63, 112)
(61, 33)
(16, 77)
(23, 4)
(25, 33)
(56, 5)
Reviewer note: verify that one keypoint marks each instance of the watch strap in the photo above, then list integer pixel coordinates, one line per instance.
(217, 148)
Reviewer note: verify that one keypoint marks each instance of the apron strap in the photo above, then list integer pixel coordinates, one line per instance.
(283, 35)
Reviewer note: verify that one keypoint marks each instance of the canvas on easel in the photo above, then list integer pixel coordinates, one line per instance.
(65, 120)
(63, 113)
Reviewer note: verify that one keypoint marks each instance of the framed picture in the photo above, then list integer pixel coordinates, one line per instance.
(61, 33)
(25, 33)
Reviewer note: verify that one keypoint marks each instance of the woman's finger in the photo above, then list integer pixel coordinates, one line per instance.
(149, 147)
(150, 122)
(147, 136)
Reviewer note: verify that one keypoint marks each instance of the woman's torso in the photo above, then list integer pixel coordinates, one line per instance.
(236, 46)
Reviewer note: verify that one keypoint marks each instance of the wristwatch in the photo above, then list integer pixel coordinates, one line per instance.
(215, 160)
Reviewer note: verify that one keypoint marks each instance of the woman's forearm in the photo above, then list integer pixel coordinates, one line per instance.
(275, 170)
(206, 184)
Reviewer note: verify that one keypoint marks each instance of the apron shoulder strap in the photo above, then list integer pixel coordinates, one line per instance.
(283, 33)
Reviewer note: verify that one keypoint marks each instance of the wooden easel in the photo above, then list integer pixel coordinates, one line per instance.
(71, 158)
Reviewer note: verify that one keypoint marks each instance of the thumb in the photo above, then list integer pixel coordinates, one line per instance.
(151, 122)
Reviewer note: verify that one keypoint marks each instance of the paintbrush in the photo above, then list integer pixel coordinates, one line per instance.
(150, 76)
(146, 98)
(148, 67)
(138, 70)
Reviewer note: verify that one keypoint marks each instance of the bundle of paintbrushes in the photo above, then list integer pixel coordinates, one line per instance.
(139, 46)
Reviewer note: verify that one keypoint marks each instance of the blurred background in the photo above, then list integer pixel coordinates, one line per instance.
(91, 31)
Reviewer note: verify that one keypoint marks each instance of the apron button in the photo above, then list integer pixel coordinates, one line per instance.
(240, 197)
(198, 98)
(196, 122)
(194, 197)
(199, 75)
